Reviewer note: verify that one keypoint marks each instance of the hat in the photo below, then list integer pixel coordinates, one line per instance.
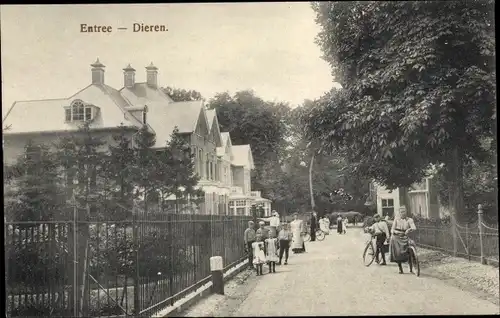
(275, 213)
(262, 223)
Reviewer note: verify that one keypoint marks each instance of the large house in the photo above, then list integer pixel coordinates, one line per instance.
(224, 168)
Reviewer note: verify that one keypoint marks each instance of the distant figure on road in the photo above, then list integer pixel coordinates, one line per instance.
(284, 237)
(344, 225)
(274, 223)
(324, 225)
(297, 228)
(381, 232)
(340, 225)
(399, 243)
(314, 226)
(249, 237)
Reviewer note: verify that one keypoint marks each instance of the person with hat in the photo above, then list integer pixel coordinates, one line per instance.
(297, 228)
(249, 237)
(274, 222)
(399, 243)
(381, 232)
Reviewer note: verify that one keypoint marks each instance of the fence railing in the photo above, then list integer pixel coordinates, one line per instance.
(474, 241)
(94, 268)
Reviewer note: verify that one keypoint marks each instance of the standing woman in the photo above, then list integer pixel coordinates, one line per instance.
(344, 224)
(399, 246)
(297, 229)
(340, 224)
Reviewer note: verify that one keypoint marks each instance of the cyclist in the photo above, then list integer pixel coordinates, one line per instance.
(381, 233)
(399, 243)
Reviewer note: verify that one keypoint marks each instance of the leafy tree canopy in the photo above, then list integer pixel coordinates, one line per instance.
(418, 82)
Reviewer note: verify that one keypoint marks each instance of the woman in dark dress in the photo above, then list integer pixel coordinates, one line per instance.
(340, 225)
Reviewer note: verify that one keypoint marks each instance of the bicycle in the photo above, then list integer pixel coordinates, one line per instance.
(320, 235)
(370, 249)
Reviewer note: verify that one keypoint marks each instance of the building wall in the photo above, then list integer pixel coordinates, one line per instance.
(14, 144)
(238, 177)
(385, 194)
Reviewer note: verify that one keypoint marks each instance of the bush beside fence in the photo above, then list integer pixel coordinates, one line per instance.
(474, 241)
(133, 267)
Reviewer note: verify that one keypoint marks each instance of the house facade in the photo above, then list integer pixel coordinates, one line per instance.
(421, 199)
(134, 105)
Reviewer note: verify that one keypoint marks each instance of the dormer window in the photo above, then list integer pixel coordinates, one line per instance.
(78, 111)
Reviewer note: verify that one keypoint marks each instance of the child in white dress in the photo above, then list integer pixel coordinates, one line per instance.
(272, 253)
(259, 257)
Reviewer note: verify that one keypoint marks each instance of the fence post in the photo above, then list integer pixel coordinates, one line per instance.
(481, 231)
(216, 267)
(454, 233)
(467, 240)
(135, 233)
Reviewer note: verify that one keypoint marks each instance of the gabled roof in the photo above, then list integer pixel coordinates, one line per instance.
(226, 145)
(242, 156)
(210, 117)
(48, 115)
(163, 117)
(213, 126)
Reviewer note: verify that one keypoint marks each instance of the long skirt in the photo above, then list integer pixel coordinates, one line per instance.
(399, 249)
(340, 229)
(259, 257)
(324, 227)
(297, 242)
(271, 250)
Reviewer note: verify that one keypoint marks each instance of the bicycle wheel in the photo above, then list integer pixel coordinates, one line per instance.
(320, 235)
(369, 254)
(414, 260)
(307, 237)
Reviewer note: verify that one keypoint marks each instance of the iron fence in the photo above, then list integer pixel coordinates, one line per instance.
(136, 265)
(474, 241)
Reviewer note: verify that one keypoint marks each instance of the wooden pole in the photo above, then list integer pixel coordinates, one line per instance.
(481, 231)
(216, 267)
(311, 192)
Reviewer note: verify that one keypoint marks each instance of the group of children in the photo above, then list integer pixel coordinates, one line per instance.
(267, 247)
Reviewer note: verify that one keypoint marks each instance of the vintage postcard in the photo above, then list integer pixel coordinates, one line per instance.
(250, 159)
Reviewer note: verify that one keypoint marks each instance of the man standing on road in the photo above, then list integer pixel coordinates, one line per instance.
(249, 237)
(274, 222)
(381, 232)
(314, 222)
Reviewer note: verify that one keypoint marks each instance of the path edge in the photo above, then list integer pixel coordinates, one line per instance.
(204, 291)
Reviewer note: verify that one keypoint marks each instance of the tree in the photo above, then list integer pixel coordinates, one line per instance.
(33, 187)
(177, 174)
(182, 95)
(119, 174)
(418, 84)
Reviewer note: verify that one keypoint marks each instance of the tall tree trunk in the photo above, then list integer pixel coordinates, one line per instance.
(456, 202)
(311, 192)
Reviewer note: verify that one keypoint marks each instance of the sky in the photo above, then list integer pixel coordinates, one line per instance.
(267, 47)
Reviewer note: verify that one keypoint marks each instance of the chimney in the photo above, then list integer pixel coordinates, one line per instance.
(98, 73)
(129, 77)
(152, 75)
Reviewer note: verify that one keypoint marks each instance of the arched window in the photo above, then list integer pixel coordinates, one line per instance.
(78, 111)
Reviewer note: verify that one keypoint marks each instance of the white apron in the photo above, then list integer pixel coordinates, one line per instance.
(296, 229)
(258, 253)
(271, 250)
(324, 225)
